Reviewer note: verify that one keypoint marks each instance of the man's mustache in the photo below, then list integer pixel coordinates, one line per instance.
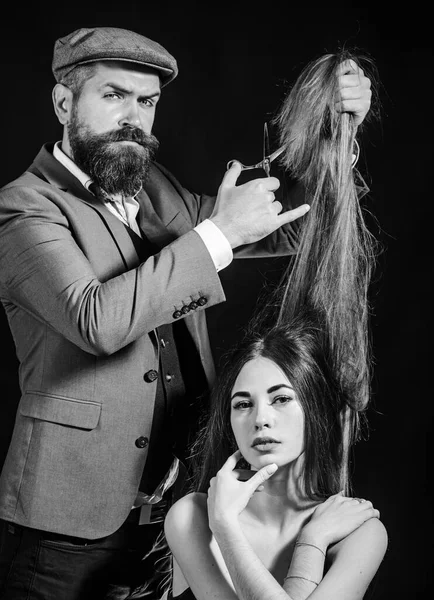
(130, 134)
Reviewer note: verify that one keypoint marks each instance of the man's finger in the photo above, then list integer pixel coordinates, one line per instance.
(351, 93)
(231, 175)
(352, 81)
(261, 476)
(268, 183)
(349, 66)
(292, 215)
(352, 106)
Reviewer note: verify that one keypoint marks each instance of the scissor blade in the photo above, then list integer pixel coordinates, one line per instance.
(266, 148)
(266, 151)
(276, 153)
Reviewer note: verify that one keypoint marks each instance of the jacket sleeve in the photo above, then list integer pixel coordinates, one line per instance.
(282, 242)
(44, 271)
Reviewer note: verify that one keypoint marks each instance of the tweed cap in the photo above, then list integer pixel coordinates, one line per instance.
(93, 44)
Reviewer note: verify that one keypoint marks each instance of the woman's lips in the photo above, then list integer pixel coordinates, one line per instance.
(264, 444)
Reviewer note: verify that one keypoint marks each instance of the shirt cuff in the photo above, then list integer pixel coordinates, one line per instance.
(216, 242)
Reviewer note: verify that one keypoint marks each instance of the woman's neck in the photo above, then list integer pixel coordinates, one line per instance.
(283, 502)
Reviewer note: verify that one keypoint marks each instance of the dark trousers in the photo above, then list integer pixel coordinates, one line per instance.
(38, 565)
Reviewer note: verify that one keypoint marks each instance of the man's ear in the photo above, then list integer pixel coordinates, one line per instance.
(62, 101)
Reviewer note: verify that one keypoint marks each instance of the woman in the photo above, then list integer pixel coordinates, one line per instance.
(288, 402)
(289, 531)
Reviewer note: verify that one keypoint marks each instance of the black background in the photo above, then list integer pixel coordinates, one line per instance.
(236, 62)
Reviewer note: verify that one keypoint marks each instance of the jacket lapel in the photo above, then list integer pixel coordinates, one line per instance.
(49, 169)
(163, 216)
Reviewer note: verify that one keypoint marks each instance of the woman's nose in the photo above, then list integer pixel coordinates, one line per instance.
(263, 417)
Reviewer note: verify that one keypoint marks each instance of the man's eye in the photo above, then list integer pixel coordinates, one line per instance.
(147, 102)
(112, 96)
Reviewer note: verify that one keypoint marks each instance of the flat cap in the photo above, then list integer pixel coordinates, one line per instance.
(93, 44)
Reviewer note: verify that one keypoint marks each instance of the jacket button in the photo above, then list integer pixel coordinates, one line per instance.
(202, 301)
(193, 305)
(185, 310)
(150, 376)
(177, 314)
(142, 442)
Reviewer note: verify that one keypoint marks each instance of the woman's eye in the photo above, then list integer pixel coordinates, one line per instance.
(242, 404)
(281, 399)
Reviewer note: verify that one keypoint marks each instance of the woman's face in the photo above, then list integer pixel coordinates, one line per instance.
(266, 417)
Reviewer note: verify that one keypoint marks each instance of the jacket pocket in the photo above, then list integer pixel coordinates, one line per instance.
(60, 409)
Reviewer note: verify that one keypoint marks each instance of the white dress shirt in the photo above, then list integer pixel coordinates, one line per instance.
(126, 209)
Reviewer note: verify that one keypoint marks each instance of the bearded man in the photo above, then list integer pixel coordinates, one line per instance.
(106, 266)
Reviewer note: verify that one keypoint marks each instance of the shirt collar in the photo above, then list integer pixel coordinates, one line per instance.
(84, 179)
(69, 164)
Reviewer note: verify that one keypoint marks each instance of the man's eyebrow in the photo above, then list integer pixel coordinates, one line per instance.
(270, 390)
(119, 88)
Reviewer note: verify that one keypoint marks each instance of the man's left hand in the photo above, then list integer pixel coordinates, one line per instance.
(354, 93)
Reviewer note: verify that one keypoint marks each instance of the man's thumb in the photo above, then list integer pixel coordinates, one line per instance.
(232, 174)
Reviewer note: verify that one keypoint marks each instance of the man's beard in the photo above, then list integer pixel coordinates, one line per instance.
(116, 168)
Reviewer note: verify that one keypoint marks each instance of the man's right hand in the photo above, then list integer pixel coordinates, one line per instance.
(247, 213)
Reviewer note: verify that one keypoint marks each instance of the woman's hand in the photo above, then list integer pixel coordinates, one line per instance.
(336, 518)
(354, 93)
(228, 496)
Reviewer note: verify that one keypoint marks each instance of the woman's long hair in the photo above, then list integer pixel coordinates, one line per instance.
(333, 265)
(325, 287)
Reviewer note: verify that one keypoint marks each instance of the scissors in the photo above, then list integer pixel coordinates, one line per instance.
(267, 158)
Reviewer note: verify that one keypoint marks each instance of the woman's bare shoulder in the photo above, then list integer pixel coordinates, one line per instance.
(370, 539)
(372, 531)
(189, 515)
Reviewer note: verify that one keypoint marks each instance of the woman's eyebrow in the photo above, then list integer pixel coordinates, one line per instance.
(242, 394)
(274, 388)
(270, 390)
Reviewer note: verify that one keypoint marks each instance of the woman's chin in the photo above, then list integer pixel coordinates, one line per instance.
(258, 462)
(264, 460)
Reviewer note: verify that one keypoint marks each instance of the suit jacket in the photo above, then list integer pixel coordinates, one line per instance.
(82, 309)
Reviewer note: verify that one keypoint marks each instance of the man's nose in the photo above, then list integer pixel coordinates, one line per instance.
(131, 116)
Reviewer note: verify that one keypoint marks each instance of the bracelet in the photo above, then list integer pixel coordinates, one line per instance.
(313, 546)
(300, 577)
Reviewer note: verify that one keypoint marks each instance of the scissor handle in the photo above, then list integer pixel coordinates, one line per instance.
(245, 167)
(266, 165)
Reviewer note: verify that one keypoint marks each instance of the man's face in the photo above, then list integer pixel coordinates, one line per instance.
(110, 128)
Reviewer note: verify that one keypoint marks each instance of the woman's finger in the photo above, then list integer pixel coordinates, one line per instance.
(231, 462)
(261, 476)
(243, 474)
